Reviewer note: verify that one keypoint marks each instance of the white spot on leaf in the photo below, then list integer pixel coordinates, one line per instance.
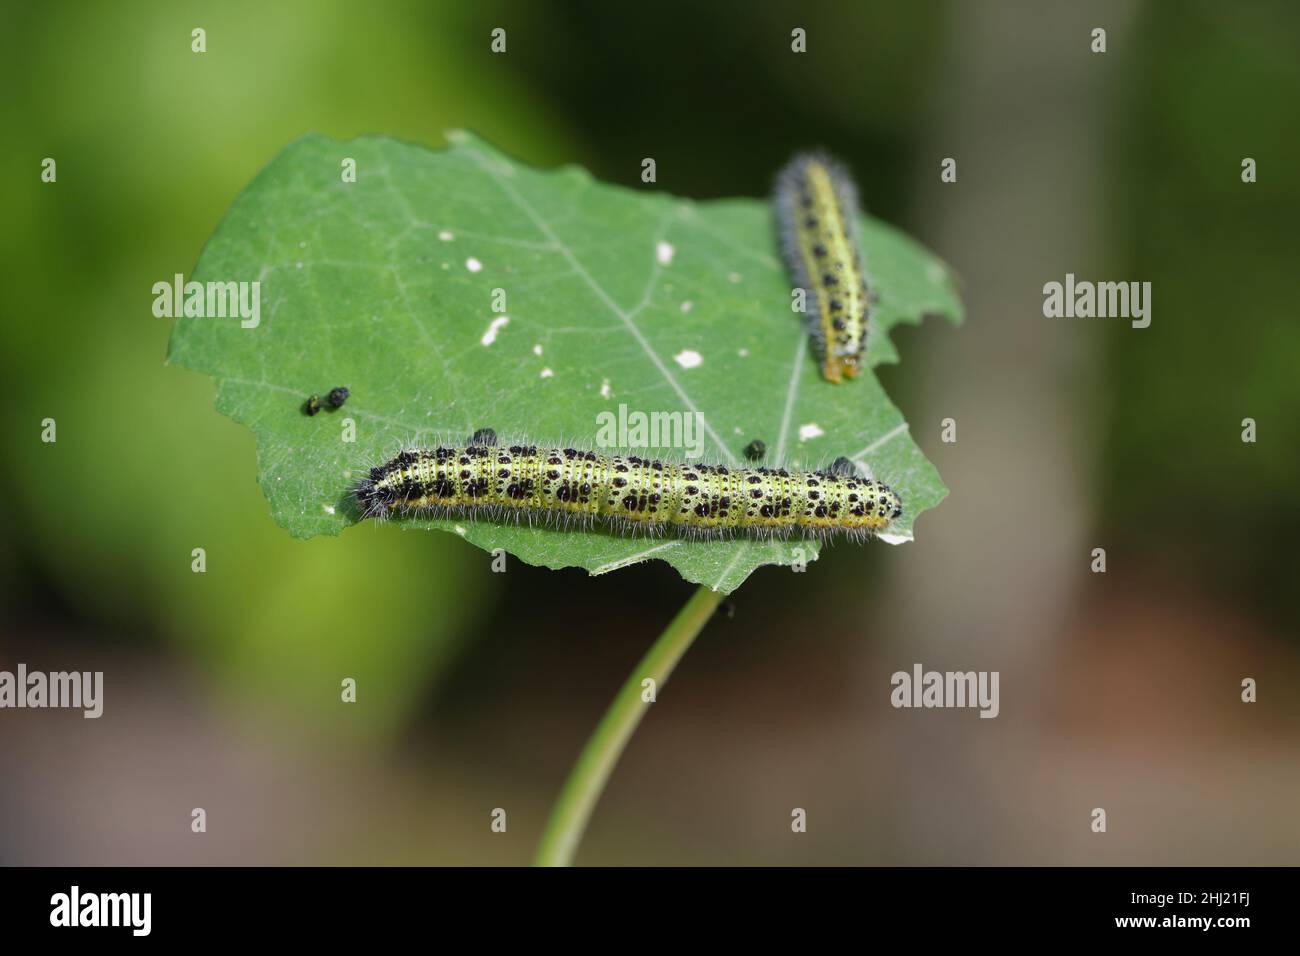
(445, 236)
(537, 349)
(664, 253)
(473, 265)
(604, 389)
(688, 358)
(547, 373)
(811, 430)
(495, 326)
(894, 538)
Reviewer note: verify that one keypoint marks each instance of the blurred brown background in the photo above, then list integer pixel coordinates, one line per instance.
(1118, 690)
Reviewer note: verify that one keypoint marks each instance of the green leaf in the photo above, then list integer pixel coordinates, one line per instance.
(385, 285)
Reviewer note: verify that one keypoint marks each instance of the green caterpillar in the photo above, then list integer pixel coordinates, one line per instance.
(625, 492)
(817, 211)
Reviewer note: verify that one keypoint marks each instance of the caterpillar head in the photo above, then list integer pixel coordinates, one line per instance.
(837, 367)
(878, 507)
(889, 505)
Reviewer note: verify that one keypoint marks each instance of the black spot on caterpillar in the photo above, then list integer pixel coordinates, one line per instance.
(627, 493)
(817, 216)
(484, 436)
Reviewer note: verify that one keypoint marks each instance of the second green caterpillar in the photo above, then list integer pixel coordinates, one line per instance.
(817, 213)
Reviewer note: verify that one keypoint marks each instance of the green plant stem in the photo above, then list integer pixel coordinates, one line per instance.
(590, 774)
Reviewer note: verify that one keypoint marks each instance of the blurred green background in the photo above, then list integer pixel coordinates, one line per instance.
(1119, 690)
